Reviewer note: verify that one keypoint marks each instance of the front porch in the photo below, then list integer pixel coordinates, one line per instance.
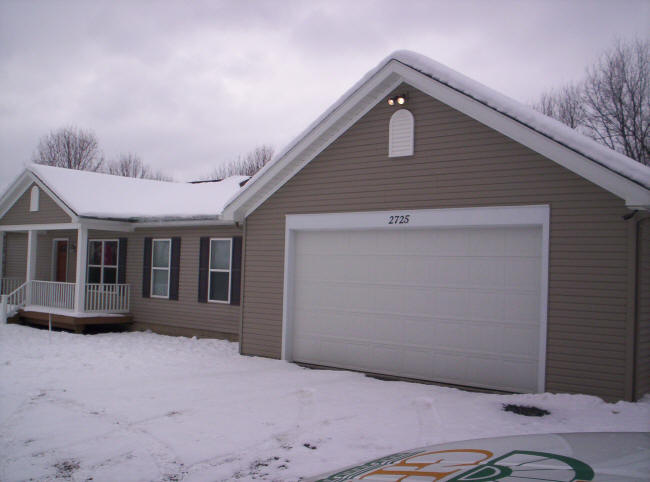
(53, 303)
(64, 279)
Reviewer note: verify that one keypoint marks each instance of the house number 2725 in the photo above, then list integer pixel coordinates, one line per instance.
(399, 219)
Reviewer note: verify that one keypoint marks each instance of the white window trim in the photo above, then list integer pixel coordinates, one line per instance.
(34, 199)
(102, 265)
(168, 268)
(533, 215)
(54, 258)
(219, 270)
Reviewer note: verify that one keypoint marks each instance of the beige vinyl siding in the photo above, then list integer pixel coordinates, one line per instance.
(459, 162)
(643, 331)
(186, 315)
(15, 255)
(48, 213)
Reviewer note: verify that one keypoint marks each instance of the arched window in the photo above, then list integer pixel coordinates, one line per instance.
(33, 201)
(401, 133)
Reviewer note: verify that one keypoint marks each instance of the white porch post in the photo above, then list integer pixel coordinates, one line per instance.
(80, 279)
(30, 273)
(2, 255)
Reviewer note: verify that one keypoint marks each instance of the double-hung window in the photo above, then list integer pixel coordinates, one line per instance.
(160, 267)
(102, 261)
(220, 267)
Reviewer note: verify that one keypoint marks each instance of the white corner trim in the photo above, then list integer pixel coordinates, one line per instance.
(533, 215)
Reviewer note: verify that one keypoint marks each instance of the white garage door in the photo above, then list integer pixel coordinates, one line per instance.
(456, 305)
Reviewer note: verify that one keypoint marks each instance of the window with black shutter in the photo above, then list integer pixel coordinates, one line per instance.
(146, 268)
(220, 270)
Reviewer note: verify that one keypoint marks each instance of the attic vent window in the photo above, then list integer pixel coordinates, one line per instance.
(401, 134)
(33, 201)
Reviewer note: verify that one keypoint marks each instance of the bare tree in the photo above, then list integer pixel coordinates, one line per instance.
(616, 96)
(130, 165)
(612, 104)
(69, 147)
(564, 105)
(247, 165)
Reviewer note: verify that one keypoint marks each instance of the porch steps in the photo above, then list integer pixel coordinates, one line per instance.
(71, 322)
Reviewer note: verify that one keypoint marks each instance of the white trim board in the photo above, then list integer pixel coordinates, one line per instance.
(536, 215)
(20, 186)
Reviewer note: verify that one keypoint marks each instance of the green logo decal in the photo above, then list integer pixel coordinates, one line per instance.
(529, 465)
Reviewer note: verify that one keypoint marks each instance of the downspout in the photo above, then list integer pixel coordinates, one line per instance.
(631, 322)
(242, 291)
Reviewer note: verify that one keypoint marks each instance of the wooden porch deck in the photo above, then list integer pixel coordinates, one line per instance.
(69, 320)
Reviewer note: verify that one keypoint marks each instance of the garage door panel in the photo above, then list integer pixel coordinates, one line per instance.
(524, 241)
(521, 307)
(457, 305)
(523, 274)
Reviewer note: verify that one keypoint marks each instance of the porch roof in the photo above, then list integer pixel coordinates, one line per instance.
(104, 196)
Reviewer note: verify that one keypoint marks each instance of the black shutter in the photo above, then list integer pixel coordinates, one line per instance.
(174, 272)
(204, 266)
(146, 269)
(235, 271)
(121, 261)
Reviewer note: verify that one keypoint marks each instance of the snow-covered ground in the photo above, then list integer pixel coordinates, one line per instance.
(140, 406)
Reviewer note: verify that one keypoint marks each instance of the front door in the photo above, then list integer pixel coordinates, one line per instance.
(61, 260)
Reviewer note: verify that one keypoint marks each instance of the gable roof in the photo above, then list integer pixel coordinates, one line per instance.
(104, 196)
(622, 176)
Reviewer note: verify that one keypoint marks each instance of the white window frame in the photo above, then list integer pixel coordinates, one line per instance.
(168, 268)
(219, 270)
(101, 266)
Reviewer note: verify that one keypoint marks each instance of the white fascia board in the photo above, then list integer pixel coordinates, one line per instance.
(635, 196)
(254, 194)
(53, 195)
(105, 225)
(21, 184)
(312, 144)
(13, 193)
(181, 223)
(38, 227)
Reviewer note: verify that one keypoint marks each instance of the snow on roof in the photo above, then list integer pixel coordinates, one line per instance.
(97, 195)
(543, 124)
(547, 126)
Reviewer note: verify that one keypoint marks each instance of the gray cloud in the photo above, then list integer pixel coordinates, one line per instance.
(187, 85)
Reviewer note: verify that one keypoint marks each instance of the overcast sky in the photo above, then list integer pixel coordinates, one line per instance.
(189, 85)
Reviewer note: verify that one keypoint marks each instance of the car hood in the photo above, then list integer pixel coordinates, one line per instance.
(566, 457)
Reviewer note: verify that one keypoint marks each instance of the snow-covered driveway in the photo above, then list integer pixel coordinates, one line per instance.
(140, 406)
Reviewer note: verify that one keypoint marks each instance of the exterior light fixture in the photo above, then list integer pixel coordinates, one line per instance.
(398, 99)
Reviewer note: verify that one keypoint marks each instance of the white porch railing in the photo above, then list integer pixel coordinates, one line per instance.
(10, 303)
(105, 298)
(7, 285)
(111, 298)
(52, 294)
